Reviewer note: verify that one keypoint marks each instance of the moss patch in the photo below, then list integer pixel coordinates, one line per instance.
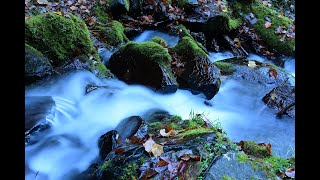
(58, 37)
(252, 148)
(101, 11)
(234, 23)
(225, 68)
(159, 40)
(195, 132)
(226, 177)
(112, 34)
(189, 48)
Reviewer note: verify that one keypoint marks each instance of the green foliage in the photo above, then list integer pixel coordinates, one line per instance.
(242, 157)
(58, 37)
(278, 164)
(106, 165)
(130, 172)
(225, 67)
(176, 118)
(234, 23)
(252, 148)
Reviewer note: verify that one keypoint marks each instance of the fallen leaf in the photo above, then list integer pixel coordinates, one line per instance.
(273, 72)
(265, 3)
(168, 134)
(148, 144)
(83, 7)
(119, 150)
(163, 44)
(278, 30)
(157, 149)
(252, 64)
(290, 173)
(102, 2)
(73, 8)
(59, 13)
(195, 157)
(161, 163)
(223, 8)
(185, 157)
(267, 24)
(69, 3)
(148, 173)
(273, 96)
(42, 1)
(269, 148)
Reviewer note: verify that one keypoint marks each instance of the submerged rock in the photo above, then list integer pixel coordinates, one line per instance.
(36, 65)
(144, 63)
(38, 110)
(58, 37)
(282, 98)
(194, 70)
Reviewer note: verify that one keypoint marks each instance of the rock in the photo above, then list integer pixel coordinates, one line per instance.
(228, 165)
(199, 37)
(128, 127)
(135, 7)
(108, 142)
(36, 66)
(58, 37)
(119, 7)
(155, 115)
(112, 34)
(194, 70)
(131, 32)
(282, 98)
(38, 110)
(144, 63)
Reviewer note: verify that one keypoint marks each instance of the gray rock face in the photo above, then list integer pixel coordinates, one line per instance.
(36, 65)
(228, 165)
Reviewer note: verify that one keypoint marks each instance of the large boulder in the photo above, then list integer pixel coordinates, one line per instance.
(119, 7)
(146, 63)
(58, 37)
(282, 98)
(194, 69)
(36, 65)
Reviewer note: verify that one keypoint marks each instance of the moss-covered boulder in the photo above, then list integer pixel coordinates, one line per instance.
(146, 63)
(119, 7)
(36, 65)
(194, 70)
(112, 34)
(159, 40)
(58, 37)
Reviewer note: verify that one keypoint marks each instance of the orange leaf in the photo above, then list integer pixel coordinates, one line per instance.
(269, 148)
(161, 163)
(273, 72)
(119, 150)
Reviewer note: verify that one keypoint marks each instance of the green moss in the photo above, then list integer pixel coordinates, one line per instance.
(176, 118)
(252, 148)
(271, 39)
(188, 47)
(158, 40)
(112, 33)
(106, 165)
(30, 50)
(234, 23)
(175, 126)
(152, 50)
(182, 3)
(101, 11)
(226, 177)
(242, 157)
(155, 124)
(58, 37)
(225, 68)
(130, 172)
(195, 132)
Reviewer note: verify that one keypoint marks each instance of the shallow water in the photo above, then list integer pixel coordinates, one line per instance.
(81, 119)
(149, 34)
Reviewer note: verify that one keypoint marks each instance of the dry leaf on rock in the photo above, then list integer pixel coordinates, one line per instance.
(172, 132)
(157, 150)
(42, 1)
(148, 145)
(252, 64)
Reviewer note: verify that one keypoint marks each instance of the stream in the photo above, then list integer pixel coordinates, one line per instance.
(70, 146)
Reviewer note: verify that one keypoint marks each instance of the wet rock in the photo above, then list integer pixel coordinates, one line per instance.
(144, 63)
(155, 115)
(128, 127)
(119, 7)
(108, 142)
(217, 24)
(199, 37)
(131, 32)
(282, 98)
(135, 7)
(194, 70)
(228, 165)
(36, 65)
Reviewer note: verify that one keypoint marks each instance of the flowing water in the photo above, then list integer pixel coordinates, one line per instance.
(80, 119)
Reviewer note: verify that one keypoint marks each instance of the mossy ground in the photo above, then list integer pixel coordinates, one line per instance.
(58, 37)
(101, 11)
(268, 35)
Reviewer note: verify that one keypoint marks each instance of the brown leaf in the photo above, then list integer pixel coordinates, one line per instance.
(73, 8)
(273, 72)
(119, 150)
(269, 148)
(148, 174)
(83, 7)
(161, 163)
(42, 2)
(185, 157)
(195, 157)
(267, 24)
(157, 149)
